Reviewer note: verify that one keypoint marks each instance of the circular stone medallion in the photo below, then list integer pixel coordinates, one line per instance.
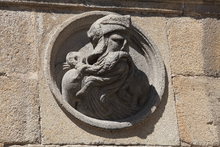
(104, 71)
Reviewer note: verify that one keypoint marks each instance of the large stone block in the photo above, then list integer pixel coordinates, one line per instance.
(33, 145)
(19, 105)
(198, 109)
(194, 46)
(18, 53)
(185, 40)
(19, 110)
(159, 129)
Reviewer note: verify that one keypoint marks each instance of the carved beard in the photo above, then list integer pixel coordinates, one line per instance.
(99, 93)
(106, 89)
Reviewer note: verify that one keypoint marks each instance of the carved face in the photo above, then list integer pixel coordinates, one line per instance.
(107, 85)
(116, 42)
(111, 42)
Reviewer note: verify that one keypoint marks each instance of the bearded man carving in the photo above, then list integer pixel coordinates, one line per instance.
(105, 84)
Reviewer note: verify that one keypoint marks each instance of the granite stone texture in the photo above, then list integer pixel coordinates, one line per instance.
(33, 145)
(211, 47)
(189, 114)
(18, 52)
(194, 54)
(160, 128)
(197, 104)
(19, 103)
(194, 46)
(19, 110)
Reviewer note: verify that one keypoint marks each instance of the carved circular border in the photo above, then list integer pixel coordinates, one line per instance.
(154, 55)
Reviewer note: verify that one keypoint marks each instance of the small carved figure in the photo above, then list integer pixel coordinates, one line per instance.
(106, 84)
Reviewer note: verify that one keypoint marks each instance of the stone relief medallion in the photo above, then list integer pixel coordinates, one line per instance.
(104, 71)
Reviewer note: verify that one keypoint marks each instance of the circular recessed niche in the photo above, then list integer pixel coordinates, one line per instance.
(132, 70)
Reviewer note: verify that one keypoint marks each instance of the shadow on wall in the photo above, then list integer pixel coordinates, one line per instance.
(163, 9)
(211, 64)
(141, 130)
(211, 47)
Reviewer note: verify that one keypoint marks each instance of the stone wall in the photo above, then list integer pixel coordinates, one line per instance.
(187, 33)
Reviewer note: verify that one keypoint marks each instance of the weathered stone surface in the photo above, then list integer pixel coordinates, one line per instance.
(19, 110)
(112, 88)
(198, 109)
(103, 95)
(194, 46)
(166, 7)
(211, 46)
(19, 105)
(18, 51)
(46, 24)
(185, 41)
(155, 28)
(194, 50)
(160, 128)
(170, 7)
(32, 145)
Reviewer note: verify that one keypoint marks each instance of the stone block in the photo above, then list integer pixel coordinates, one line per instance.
(185, 41)
(19, 105)
(32, 145)
(211, 46)
(160, 128)
(18, 52)
(198, 105)
(194, 46)
(19, 110)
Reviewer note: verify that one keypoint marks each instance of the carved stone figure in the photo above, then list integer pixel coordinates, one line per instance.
(106, 84)
(103, 70)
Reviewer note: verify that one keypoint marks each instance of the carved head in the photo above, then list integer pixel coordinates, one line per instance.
(106, 84)
(107, 25)
(109, 34)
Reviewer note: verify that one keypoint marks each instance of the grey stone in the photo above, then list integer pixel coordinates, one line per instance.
(98, 84)
(159, 128)
(106, 84)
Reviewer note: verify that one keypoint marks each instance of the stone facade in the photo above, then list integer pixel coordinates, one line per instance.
(187, 36)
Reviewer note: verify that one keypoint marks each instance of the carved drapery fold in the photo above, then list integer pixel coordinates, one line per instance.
(104, 71)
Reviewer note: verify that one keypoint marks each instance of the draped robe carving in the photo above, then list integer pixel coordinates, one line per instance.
(106, 84)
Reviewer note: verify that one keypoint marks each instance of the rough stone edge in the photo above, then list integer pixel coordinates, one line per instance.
(140, 7)
(160, 7)
(83, 145)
